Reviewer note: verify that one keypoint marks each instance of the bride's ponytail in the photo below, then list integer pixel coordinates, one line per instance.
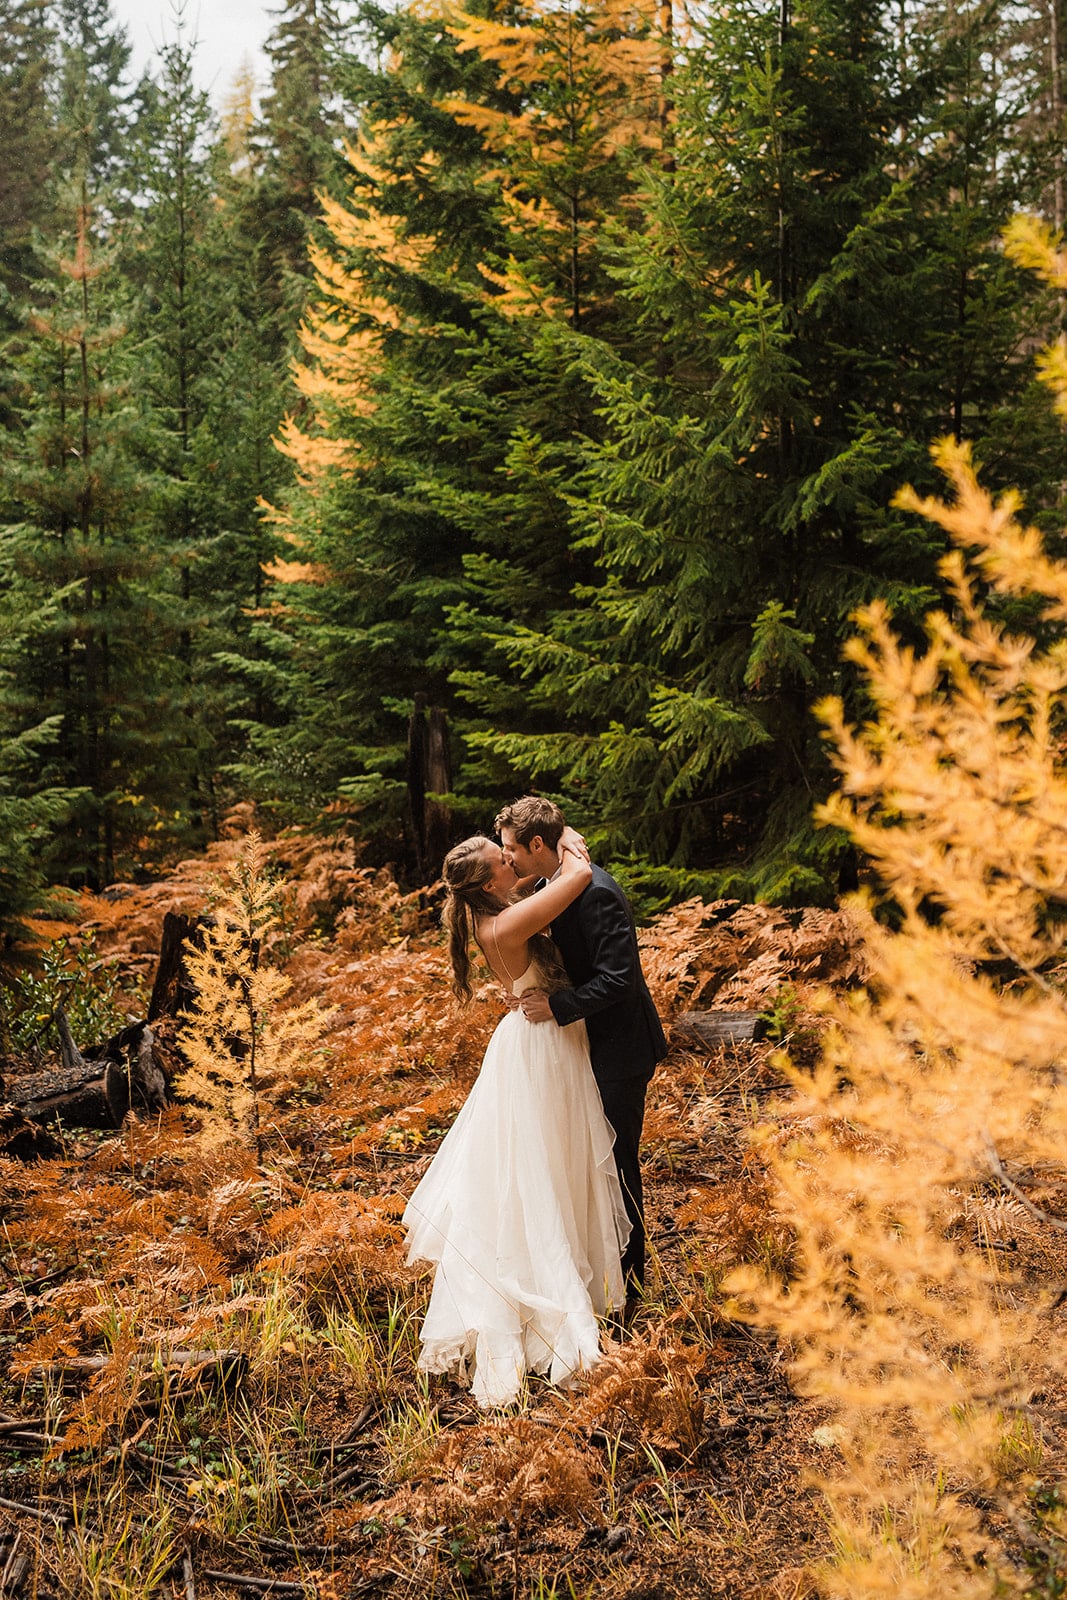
(457, 921)
(466, 871)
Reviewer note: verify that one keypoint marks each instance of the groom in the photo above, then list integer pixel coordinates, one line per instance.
(598, 943)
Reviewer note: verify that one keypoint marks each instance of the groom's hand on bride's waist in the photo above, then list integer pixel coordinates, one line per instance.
(535, 1006)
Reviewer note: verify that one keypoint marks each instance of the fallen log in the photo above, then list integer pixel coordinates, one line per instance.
(95, 1089)
(222, 1366)
(94, 1095)
(709, 1030)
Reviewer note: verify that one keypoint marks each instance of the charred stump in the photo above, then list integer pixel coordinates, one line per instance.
(173, 991)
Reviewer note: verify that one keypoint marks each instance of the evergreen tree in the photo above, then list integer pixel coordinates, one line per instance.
(27, 138)
(176, 336)
(369, 563)
(94, 659)
(213, 352)
(826, 295)
(95, 104)
(429, 381)
(246, 390)
(301, 132)
(30, 812)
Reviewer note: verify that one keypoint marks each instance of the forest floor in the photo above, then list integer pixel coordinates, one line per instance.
(208, 1380)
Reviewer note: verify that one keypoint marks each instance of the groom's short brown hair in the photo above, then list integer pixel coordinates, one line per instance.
(531, 816)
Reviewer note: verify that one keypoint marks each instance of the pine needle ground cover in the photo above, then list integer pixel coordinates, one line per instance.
(210, 1359)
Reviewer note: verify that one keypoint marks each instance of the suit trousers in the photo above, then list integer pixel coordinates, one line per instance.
(624, 1107)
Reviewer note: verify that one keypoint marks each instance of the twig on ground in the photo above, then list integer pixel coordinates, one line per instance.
(245, 1580)
(10, 1424)
(39, 1514)
(363, 1421)
(13, 1437)
(1019, 1194)
(355, 1471)
(286, 1547)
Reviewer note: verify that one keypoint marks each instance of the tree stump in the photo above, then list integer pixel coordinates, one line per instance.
(173, 991)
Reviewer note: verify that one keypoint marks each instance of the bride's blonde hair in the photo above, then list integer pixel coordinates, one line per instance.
(466, 871)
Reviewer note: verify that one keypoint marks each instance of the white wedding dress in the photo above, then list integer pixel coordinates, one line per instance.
(522, 1212)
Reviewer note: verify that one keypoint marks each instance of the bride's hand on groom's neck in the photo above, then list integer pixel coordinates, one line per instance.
(570, 839)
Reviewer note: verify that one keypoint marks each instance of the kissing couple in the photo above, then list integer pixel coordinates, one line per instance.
(531, 1210)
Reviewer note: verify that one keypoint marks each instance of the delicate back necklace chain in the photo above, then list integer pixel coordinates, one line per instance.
(499, 954)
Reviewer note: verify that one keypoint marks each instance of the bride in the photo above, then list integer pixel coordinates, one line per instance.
(521, 1209)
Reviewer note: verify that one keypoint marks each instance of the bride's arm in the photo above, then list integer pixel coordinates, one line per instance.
(570, 839)
(521, 920)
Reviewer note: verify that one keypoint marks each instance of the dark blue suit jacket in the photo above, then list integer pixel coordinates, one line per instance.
(598, 942)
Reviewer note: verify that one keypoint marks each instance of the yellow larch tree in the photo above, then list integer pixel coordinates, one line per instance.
(241, 1039)
(580, 96)
(924, 1162)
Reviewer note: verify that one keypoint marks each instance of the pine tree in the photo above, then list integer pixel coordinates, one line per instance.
(429, 382)
(95, 105)
(30, 812)
(247, 389)
(27, 137)
(73, 509)
(399, 253)
(177, 339)
(301, 134)
(822, 280)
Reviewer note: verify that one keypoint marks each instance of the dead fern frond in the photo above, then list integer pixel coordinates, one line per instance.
(332, 1241)
(509, 1468)
(42, 1350)
(236, 1216)
(646, 1391)
(672, 951)
(109, 1399)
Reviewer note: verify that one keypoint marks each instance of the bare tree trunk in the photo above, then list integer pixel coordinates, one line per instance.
(429, 773)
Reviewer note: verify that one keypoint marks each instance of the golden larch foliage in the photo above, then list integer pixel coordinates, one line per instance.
(593, 89)
(240, 1040)
(941, 1090)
